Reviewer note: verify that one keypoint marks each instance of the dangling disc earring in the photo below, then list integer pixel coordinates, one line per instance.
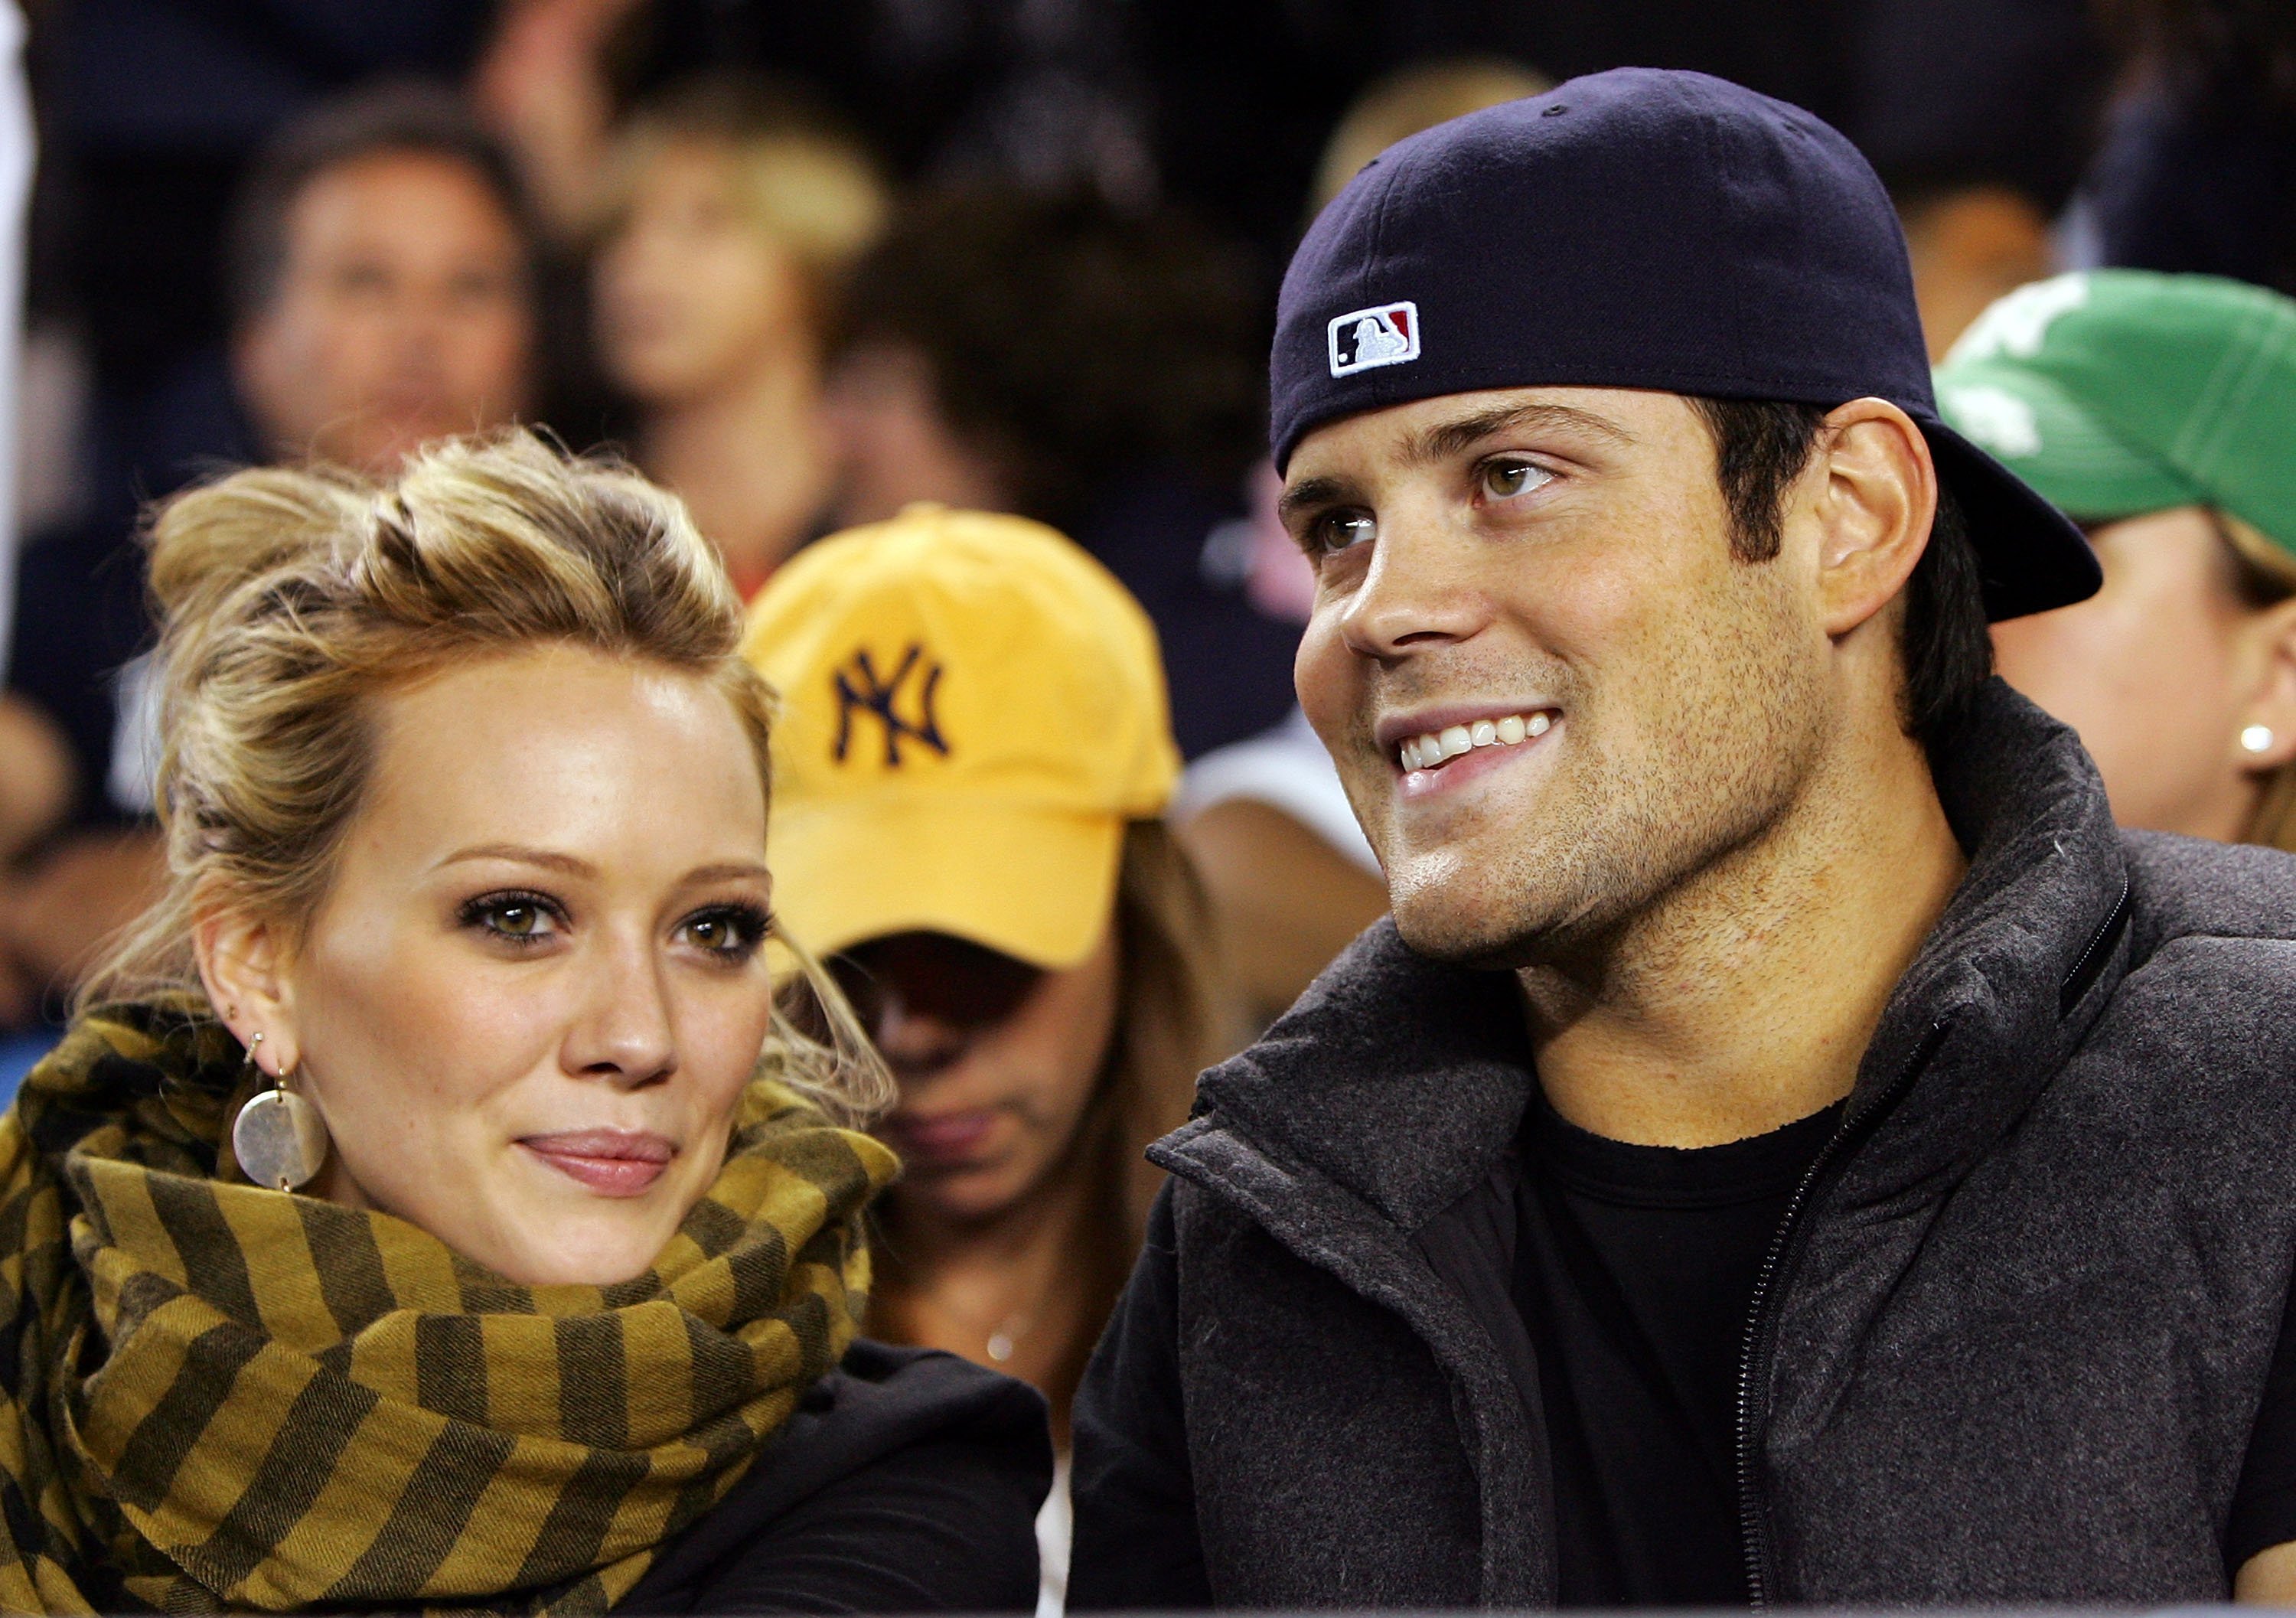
(279, 1137)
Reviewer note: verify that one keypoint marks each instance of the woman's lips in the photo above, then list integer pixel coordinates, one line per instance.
(943, 1141)
(613, 1162)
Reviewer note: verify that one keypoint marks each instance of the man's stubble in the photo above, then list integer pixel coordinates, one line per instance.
(1729, 733)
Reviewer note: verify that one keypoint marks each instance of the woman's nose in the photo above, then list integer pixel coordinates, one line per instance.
(626, 1033)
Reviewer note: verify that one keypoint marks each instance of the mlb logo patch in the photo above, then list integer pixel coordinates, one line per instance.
(1363, 339)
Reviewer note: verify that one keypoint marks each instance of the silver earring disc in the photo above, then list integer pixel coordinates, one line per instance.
(279, 1139)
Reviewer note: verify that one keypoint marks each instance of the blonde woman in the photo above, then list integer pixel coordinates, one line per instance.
(435, 1207)
(729, 221)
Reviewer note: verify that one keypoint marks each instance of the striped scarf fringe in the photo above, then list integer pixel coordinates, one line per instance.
(215, 1396)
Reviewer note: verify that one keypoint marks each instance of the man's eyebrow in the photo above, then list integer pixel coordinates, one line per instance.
(1308, 494)
(1445, 439)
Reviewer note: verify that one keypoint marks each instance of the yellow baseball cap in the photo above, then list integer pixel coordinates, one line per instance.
(971, 710)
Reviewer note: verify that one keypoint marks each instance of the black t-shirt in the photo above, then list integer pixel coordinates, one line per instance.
(1635, 1274)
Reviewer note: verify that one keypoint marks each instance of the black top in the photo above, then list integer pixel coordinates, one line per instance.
(2200, 181)
(906, 1482)
(1635, 1274)
(1634, 1269)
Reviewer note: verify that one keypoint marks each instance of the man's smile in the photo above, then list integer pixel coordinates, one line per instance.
(1437, 750)
(1433, 750)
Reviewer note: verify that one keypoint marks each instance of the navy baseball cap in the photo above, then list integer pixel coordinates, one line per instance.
(1639, 229)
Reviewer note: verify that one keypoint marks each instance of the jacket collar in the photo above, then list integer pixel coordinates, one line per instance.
(1402, 1079)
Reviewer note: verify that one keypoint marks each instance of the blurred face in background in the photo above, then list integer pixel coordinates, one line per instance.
(895, 446)
(2163, 670)
(692, 292)
(403, 312)
(996, 1062)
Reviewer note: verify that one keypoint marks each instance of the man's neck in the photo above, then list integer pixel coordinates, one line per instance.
(1745, 999)
(748, 461)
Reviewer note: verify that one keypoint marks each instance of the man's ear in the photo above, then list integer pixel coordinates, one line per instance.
(1873, 505)
(2269, 665)
(242, 965)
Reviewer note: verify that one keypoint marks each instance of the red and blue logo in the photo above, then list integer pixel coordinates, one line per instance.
(1364, 338)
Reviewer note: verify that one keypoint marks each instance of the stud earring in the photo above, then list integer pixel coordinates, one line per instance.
(279, 1137)
(2257, 738)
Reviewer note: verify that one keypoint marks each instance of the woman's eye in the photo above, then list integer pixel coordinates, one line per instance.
(1336, 531)
(732, 933)
(514, 917)
(1504, 480)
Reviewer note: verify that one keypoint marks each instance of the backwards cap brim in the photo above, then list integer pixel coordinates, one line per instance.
(2034, 558)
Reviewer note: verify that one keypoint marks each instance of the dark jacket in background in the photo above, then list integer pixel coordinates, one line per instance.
(2200, 182)
(2012, 1351)
(906, 1482)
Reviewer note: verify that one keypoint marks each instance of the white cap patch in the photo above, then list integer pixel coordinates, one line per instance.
(1997, 420)
(2018, 325)
(1363, 339)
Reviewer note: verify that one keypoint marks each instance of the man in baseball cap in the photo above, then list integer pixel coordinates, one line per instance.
(1787, 1144)
(2160, 411)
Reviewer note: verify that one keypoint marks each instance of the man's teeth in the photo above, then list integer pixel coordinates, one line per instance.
(1423, 753)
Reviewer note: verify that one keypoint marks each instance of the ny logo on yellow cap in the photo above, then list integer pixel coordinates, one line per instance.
(860, 689)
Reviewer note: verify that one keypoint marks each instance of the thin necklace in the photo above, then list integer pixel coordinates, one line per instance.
(1003, 1338)
(1007, 1336)
(1000, 1338)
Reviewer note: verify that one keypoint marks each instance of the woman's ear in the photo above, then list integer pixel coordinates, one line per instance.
(2267, 737)
(243, 969)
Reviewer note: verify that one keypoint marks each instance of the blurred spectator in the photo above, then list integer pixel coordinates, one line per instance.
(2109, 393)
(1043, 95)
(155, 110)
(1040, 95)
(972, 758)
(1979, 115)
(18, 150)
(1291, 879)
(379, 272)
(2198, 170)
(1247, 92)
(1267, 822)
(1093, 370)
(1414, 98)
(381, 281)
(1970, 245)
(35, 764)
(730, 218)
(542, 86)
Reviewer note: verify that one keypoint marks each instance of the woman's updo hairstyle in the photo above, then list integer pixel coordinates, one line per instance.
(290, 600)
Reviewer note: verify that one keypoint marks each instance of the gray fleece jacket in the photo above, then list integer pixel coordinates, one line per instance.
(2012, 1342)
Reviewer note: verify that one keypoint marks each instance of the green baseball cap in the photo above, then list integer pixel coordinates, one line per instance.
(2118, 392)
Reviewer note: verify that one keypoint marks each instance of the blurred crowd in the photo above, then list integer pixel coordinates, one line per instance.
(813, 267)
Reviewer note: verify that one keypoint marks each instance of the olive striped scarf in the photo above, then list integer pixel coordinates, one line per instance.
(214, 1396)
